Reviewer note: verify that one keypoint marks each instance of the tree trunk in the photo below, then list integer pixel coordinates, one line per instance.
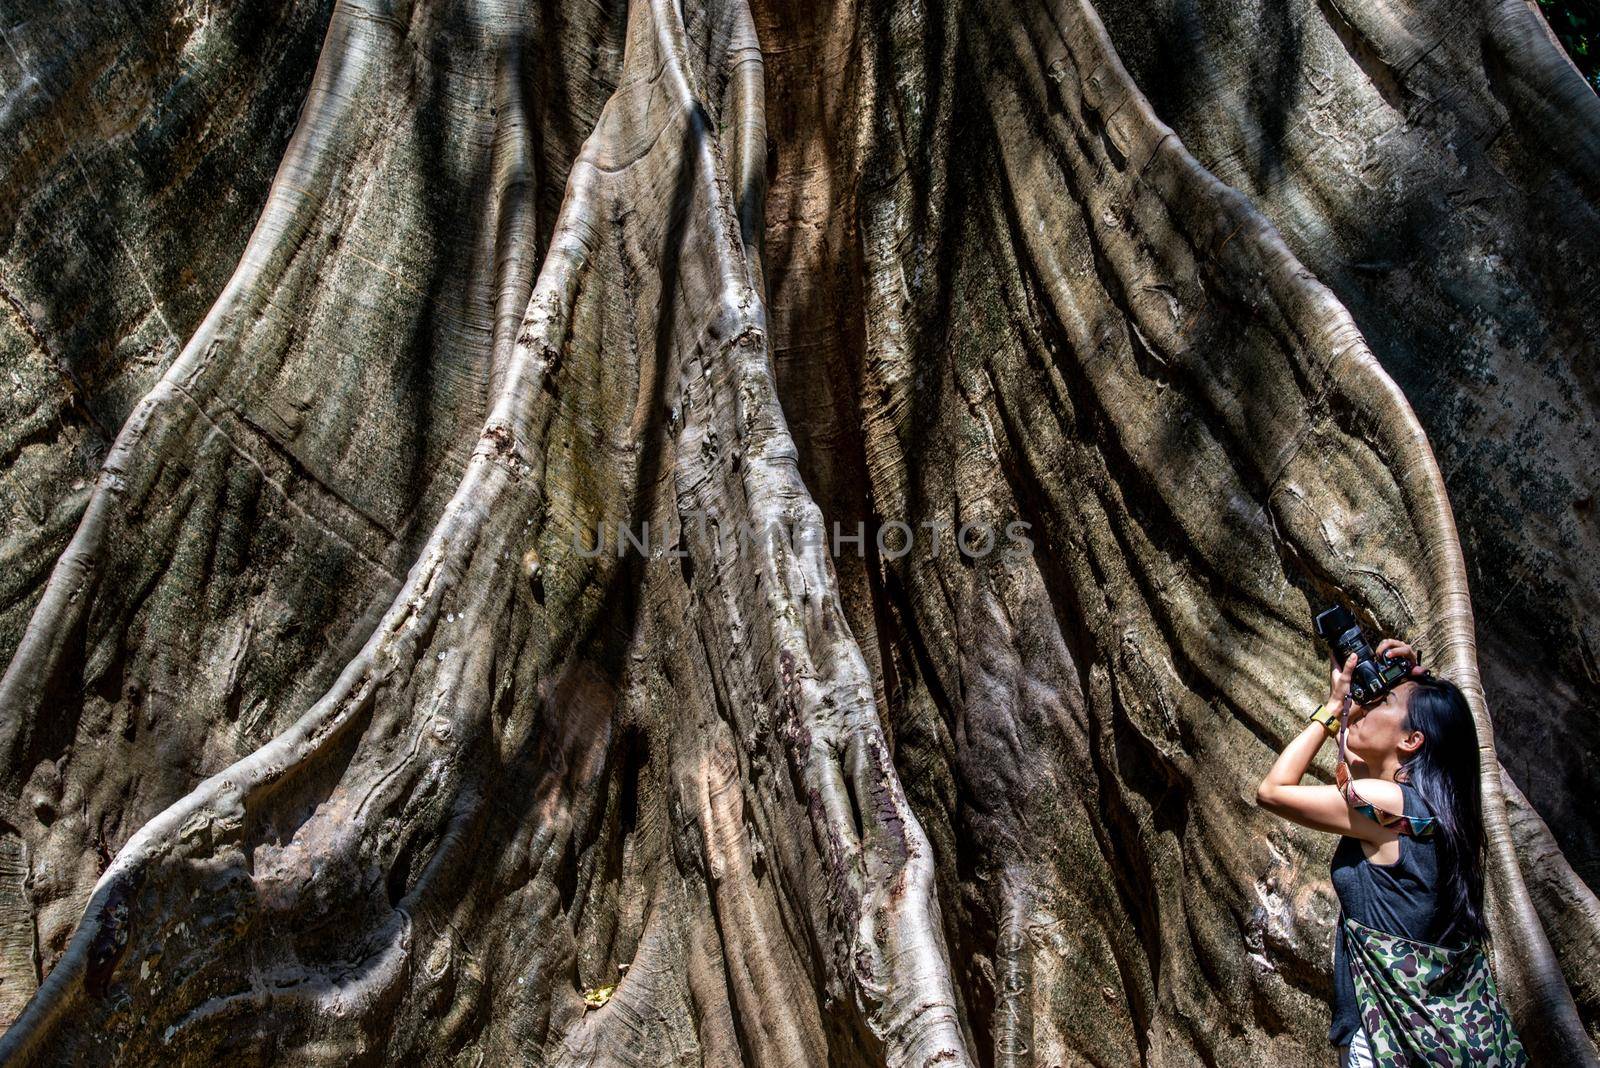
(328, 737)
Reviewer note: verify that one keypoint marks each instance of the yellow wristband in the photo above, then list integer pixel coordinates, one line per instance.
(1327, 717)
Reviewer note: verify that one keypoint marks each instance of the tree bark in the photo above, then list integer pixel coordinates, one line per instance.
(328, 737)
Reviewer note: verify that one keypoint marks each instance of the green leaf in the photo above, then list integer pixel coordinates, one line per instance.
(597, 996)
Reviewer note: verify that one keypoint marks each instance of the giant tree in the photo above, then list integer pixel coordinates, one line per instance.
(337, 334)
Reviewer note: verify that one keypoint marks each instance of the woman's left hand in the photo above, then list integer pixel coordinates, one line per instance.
(1339, 685)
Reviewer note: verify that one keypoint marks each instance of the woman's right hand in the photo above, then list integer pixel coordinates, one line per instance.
(1395, 649)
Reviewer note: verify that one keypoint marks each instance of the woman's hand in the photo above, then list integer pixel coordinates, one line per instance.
(1396, 649)
(1339, 685)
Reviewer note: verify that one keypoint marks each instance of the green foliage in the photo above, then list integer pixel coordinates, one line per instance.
(1577, 25)
(596, 997)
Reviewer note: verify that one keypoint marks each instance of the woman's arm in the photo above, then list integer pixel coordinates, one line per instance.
(1323, 808)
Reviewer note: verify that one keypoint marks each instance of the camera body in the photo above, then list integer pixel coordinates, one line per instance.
(1373, 676)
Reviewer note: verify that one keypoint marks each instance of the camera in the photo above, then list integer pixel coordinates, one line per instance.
(1373, 676)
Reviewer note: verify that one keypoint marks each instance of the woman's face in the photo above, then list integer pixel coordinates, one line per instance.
(1378, 729)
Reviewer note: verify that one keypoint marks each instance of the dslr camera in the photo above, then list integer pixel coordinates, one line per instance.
(1373, 676)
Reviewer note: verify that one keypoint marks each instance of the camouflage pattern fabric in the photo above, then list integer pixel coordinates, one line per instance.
(1423, 1004)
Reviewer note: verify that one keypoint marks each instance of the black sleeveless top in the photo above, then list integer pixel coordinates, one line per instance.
(1401, 898)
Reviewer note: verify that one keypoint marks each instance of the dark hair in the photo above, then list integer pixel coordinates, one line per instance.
(1445, 771)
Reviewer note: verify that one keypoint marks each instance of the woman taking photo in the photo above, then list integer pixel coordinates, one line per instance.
(1412, 983)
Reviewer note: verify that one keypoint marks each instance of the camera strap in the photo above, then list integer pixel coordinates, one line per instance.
(1400, 823)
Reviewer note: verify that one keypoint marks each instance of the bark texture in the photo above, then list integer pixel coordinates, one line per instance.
(326, 739)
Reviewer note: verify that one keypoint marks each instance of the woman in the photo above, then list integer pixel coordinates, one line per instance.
(1411, 981)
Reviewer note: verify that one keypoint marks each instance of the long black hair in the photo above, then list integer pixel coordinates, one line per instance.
(1445, 771)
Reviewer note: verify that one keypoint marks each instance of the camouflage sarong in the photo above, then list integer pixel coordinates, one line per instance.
(1423, 1004)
